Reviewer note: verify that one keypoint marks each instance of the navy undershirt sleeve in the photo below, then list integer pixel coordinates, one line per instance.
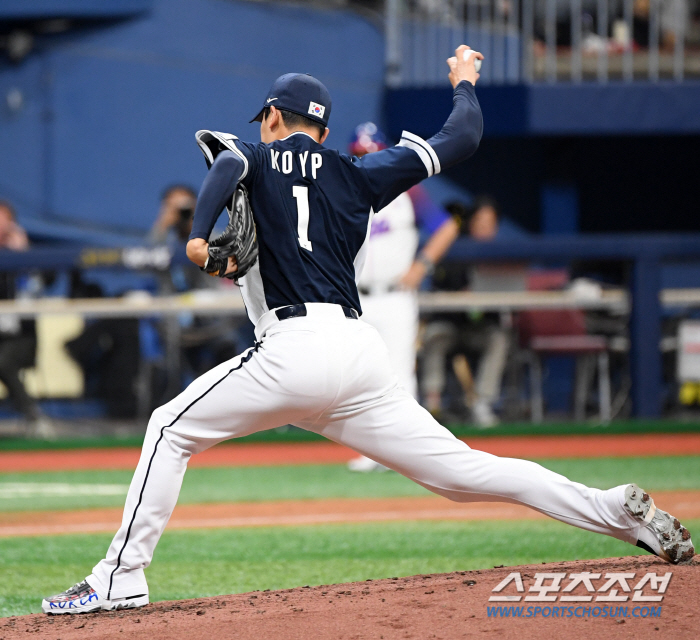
(216, 191)
(460, 136)
(395, 170)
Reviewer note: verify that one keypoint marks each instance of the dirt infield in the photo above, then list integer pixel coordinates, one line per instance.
(683, 504)
(248, 454)
(447, 606)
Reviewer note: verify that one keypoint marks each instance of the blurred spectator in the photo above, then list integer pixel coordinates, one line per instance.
(673, 17)
(172, 228)
(174, 220)
(483, 223)
(562, 19)
(17, 336)
(12, 236)
(393, 272)
(473, 333)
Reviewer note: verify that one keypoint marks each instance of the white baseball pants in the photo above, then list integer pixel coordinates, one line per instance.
(331, 375)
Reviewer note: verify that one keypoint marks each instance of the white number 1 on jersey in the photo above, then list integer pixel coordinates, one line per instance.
(302, 197)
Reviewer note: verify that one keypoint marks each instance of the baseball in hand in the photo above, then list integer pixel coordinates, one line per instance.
(477, 62)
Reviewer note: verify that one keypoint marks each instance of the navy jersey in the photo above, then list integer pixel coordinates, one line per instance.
(312, 208)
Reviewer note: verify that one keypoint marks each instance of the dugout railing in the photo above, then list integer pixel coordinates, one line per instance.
(645, 255)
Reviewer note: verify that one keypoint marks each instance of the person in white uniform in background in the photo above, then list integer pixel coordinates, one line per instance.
(393, 272)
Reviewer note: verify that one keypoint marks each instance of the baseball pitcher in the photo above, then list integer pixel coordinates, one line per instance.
(316, 364)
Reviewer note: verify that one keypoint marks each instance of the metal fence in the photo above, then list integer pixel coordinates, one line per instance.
(544, 40)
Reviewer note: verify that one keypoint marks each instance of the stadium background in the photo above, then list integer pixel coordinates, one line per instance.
(99, 104)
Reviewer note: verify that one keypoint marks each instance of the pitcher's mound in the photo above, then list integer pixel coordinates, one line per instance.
(453, 605)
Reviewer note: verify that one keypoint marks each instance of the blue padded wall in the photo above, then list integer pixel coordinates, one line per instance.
(585, 109)
(110, 112)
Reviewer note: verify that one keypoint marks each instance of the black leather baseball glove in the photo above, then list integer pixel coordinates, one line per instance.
(239, 240)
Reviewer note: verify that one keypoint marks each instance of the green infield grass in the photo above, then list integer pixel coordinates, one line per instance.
(190, 564)
(90, 489)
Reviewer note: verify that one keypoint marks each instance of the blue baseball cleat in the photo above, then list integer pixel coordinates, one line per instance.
(82, 598)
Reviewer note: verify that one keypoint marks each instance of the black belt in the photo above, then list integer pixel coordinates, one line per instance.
(299, 311)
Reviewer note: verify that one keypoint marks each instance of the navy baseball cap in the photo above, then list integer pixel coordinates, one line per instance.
(299, 93)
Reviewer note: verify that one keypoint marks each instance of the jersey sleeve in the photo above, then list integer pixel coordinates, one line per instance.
(429, 215)
(216, 191)
(393, 171)
(390, 172)
(460, 136)
(231, 161)
(250, 153)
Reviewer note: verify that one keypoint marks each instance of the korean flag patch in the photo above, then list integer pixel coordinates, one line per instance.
(316, 109)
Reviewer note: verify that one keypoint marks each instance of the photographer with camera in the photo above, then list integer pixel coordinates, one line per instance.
(175, 216)
(172, 228)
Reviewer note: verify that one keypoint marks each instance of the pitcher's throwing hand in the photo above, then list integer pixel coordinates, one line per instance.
(462, 66)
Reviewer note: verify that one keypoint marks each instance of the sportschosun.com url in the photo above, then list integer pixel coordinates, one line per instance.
(573, 612)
